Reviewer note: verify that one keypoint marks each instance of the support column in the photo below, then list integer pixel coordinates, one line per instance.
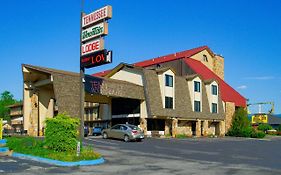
(34, 116)
(198, 128)
(222, 128)
(174, 127)
(168, 126)
(205, 128)
(143, 125)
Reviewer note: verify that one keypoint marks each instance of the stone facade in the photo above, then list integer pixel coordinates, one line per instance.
(218, 66)
(230, 110)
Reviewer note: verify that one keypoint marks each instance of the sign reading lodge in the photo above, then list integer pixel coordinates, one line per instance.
(98, 15)
(259, 118)
(94, 31)
(92, 46)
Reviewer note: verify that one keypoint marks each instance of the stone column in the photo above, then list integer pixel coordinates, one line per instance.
(222, 128)
(34, 115)
(168, 126)
(198, 128)
(205, 128)
(143, 125)
(174, 127)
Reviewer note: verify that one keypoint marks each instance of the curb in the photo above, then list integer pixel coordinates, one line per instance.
(57, 162)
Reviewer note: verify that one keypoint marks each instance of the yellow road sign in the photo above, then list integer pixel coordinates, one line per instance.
(259, 118)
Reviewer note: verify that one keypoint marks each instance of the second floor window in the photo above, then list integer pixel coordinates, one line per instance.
(169, 80)
(197, 106)
(214, 90)
(196, 86)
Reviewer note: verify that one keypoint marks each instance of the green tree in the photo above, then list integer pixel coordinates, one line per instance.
(240, 124)
(6, 99)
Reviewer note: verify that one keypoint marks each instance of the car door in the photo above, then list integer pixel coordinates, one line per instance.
(114, 131)
(122, 132)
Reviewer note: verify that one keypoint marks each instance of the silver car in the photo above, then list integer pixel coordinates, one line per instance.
(124, 131)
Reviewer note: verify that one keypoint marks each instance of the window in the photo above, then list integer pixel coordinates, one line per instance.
(214, 90)
(197, 106)
(196, 86)
(214, 108)
(169, 80)
(205, 58)
(169, 102)
(116, 127)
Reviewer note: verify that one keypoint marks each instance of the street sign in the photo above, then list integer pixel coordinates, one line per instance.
(94, 31)
(260, 118)
(96, 59)
(103, 13)
(92, 46)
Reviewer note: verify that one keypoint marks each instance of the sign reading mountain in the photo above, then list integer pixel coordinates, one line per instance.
(98, 15)
(94, 31)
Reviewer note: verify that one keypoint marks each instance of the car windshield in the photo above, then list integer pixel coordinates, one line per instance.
(133, 127)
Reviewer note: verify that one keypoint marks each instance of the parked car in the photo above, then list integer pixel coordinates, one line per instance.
(97, 130)
(124, 131)
(86, 131)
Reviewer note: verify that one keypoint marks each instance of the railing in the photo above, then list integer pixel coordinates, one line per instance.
(10, 132)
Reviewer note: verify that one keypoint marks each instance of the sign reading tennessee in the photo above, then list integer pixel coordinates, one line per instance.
(96, 59)
(98, 15)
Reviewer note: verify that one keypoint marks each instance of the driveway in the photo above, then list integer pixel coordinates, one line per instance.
(172, 156)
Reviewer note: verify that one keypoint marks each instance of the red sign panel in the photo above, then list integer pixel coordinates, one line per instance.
(96, 59)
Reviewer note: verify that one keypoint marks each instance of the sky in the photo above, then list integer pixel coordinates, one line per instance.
(246, 32)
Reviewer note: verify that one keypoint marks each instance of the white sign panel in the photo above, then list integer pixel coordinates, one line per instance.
(94, 31)
(94, 17)
(92, 46)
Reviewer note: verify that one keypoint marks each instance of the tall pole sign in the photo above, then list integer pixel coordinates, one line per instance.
(93, 27)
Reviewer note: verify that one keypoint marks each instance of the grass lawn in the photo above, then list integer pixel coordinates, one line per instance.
(35, 147)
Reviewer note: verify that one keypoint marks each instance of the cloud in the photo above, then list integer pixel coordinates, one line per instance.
(260, 78)
(242, 87)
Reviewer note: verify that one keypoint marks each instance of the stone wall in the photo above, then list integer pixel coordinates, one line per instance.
(218, 66)
(229, 111)
(184, 127)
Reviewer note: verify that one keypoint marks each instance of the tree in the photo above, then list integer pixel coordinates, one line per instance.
(240, 124)
(6, 99)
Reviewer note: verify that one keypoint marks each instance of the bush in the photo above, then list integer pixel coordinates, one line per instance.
(61, 133)
(181, 136)
(264, 127)
(258, 134)
(279, 128)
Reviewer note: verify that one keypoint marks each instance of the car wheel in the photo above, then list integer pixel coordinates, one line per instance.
(104, 135)
(126, 138)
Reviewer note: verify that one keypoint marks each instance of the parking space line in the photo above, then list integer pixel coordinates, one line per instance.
(99, 141)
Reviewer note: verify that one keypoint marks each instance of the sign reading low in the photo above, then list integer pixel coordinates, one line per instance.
(92, 46)
(259, 118)
(98, 15)
(94, 31)
(96, 59)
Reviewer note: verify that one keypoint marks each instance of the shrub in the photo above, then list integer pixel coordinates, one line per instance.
(258, 134)
(240, 124)
(279, 128)
(61, 133)
(264, 127)
(181, 136)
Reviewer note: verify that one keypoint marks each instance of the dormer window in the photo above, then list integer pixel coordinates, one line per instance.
(169, 80)
(205, 58)
(214, 90)
(196, 86)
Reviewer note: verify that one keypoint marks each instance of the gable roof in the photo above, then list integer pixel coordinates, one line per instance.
(163, 59)
(228, 94)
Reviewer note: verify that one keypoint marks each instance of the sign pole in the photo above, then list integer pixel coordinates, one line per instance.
(82, 75)
(1, 128)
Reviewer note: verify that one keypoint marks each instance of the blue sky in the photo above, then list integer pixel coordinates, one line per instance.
(246, 32)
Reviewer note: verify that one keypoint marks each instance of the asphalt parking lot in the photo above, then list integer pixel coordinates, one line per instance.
(169, 156)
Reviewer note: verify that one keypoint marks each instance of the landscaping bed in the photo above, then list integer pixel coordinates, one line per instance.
(36, 147)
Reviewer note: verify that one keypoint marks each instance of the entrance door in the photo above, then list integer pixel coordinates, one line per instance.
(193, 128)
